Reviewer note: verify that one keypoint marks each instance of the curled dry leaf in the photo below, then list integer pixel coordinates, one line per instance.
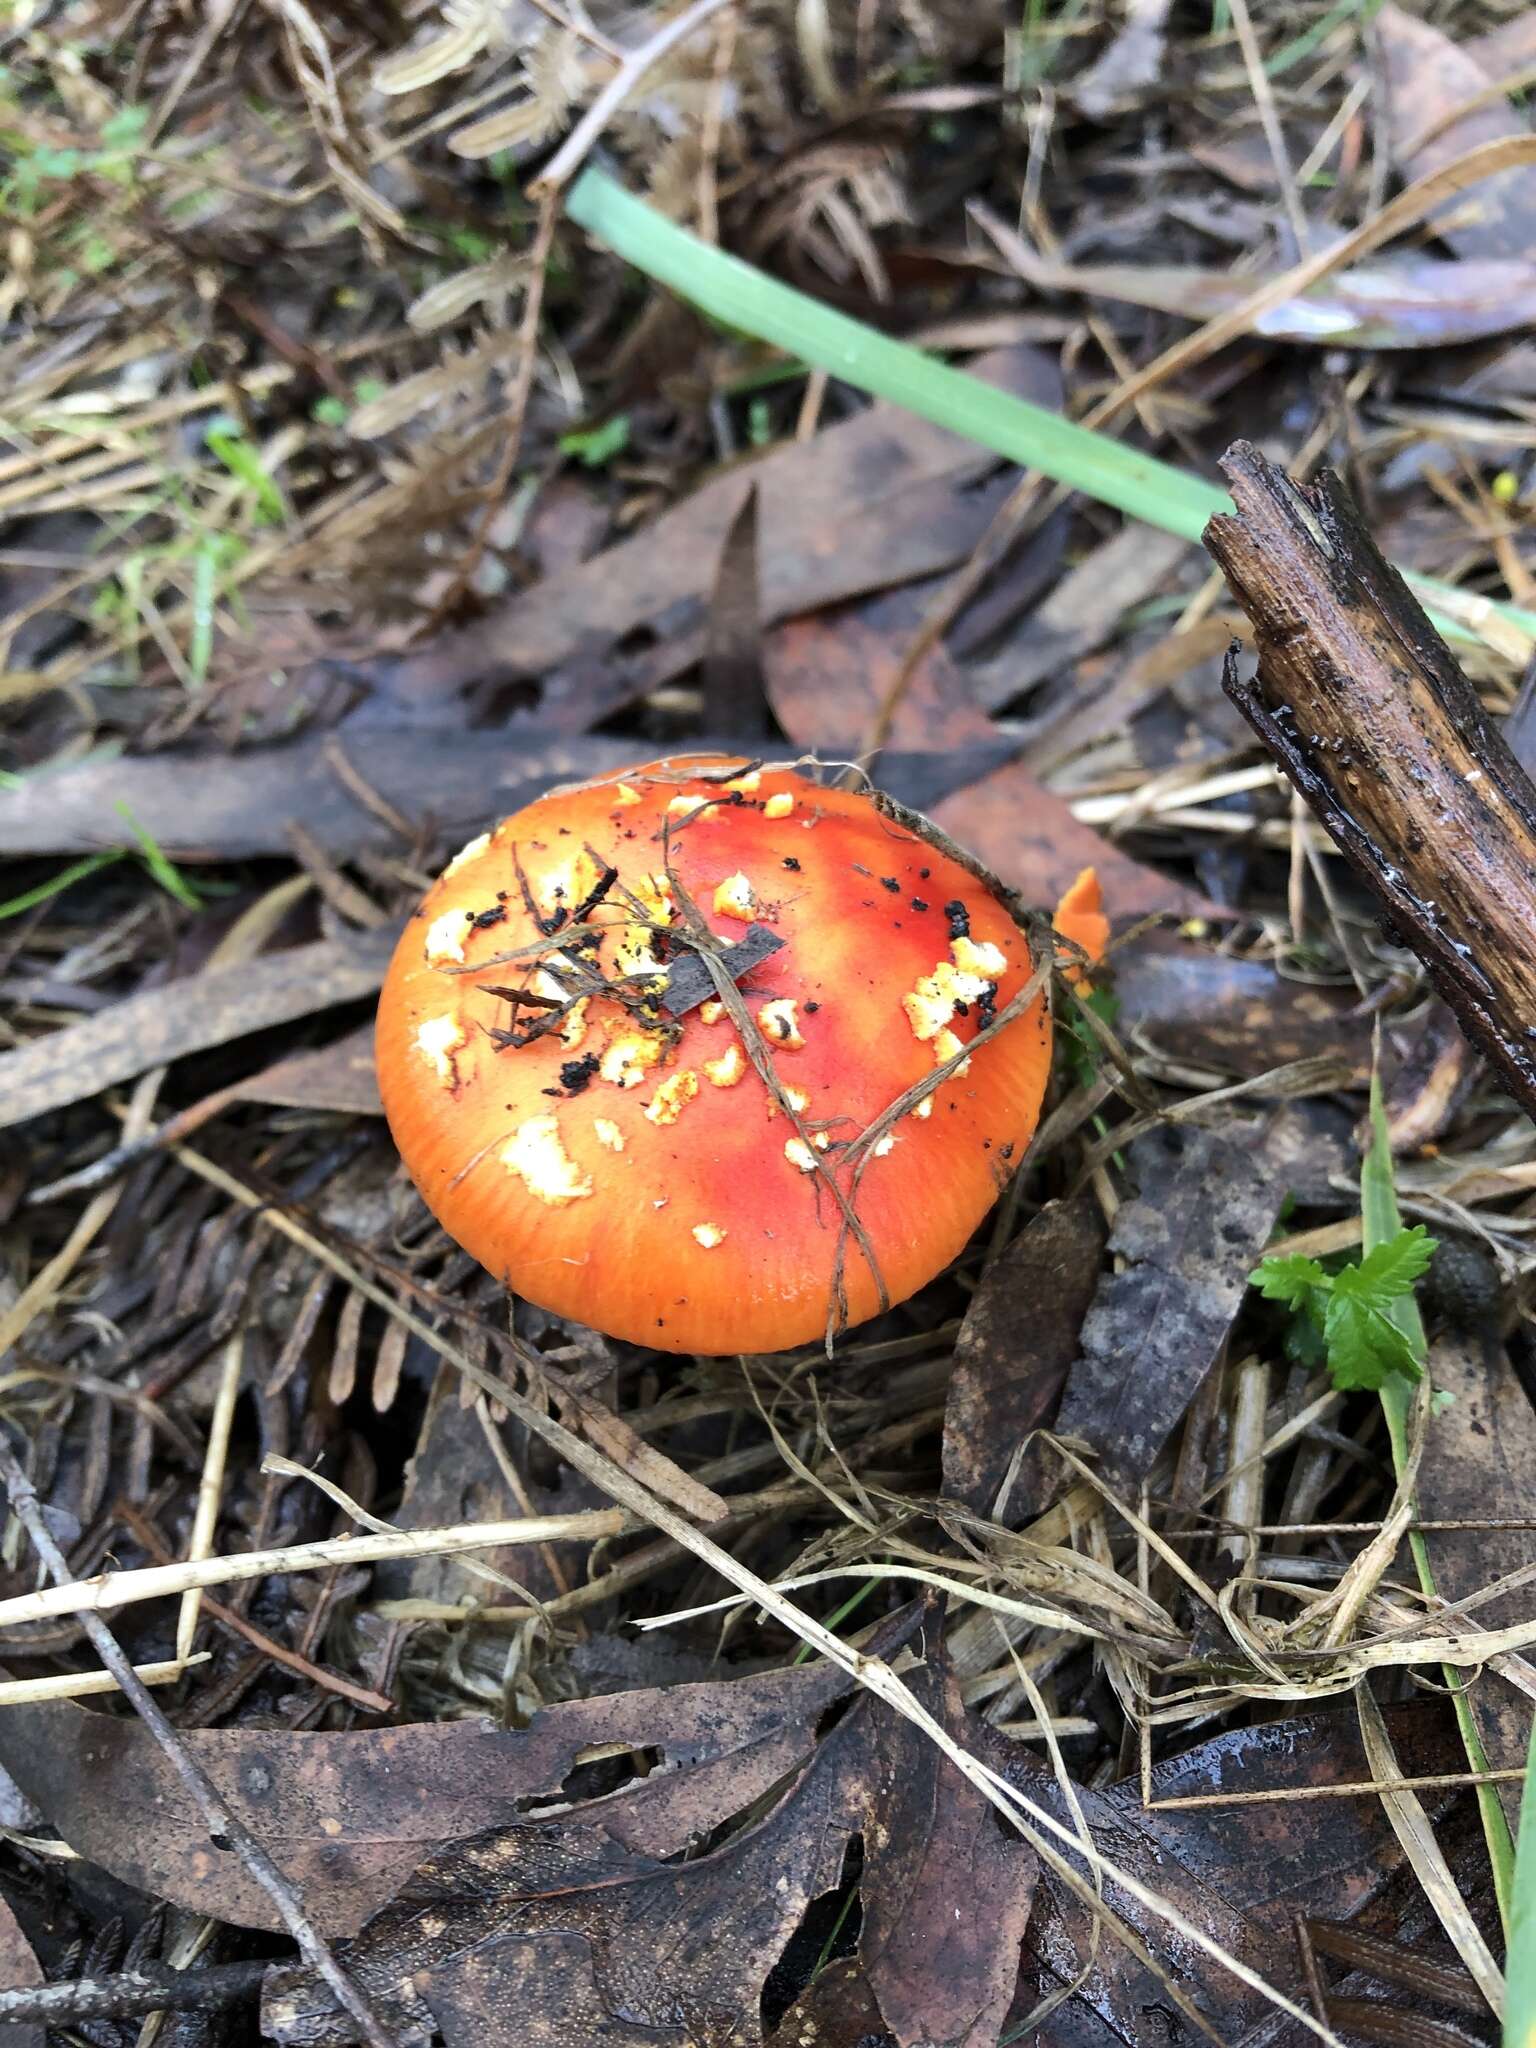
(349, 1816)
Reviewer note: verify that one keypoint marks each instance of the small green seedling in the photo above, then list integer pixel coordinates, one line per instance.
(595, 446)
(1342, 1318)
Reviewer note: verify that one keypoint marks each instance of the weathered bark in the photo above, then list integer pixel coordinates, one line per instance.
(1362, 704)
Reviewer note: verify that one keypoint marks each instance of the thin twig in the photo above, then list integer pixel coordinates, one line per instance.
(210, 1487)
(130, 1994)
(291, 1660)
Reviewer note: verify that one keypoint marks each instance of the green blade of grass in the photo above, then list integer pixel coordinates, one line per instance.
(1363, 12)
(57, 884)
(754, 303)
(1381, 1220)
(1520, 1965)
(159, 863)
(747, 299)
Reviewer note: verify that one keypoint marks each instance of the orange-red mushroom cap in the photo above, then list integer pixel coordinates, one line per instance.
(630, 1168)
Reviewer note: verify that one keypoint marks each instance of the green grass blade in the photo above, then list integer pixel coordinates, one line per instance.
(1363, 13)
(57, 884)
(754, 303)
(747, 299)
(1520, 1968)
(1382, 1220)
(159, 863)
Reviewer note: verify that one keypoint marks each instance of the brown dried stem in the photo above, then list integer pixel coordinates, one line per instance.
(1362, 704)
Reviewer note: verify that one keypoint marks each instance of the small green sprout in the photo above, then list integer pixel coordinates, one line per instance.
(595, 446)
(1342, 1319)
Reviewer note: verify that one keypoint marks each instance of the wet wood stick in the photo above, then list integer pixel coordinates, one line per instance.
(1364, 707)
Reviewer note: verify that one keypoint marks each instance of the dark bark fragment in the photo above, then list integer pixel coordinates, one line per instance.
(1361, 703)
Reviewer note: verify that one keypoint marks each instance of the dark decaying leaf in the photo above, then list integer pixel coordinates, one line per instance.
(946, 1888)
(349, 1816)
(946, 1897)
(188, 1016)
(1207, 1009)
(1427, 77)
(872, 501)
(1204, 1204)
(836, 2006)
(1019, 1336)
(1028, 835)
(1242, 1873)
(537, 1990)
(652, 1948)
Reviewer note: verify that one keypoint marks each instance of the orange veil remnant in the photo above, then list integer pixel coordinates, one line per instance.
(632, 1168)
(1080, 917)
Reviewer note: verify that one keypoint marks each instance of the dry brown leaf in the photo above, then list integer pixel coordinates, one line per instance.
(349, 1816)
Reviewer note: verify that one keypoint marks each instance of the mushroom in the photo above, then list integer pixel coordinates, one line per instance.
(724, 1153)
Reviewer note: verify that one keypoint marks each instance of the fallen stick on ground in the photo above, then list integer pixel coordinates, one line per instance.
(1364, 707)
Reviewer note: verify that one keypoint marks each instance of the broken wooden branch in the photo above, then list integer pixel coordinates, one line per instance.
(1362, 704)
